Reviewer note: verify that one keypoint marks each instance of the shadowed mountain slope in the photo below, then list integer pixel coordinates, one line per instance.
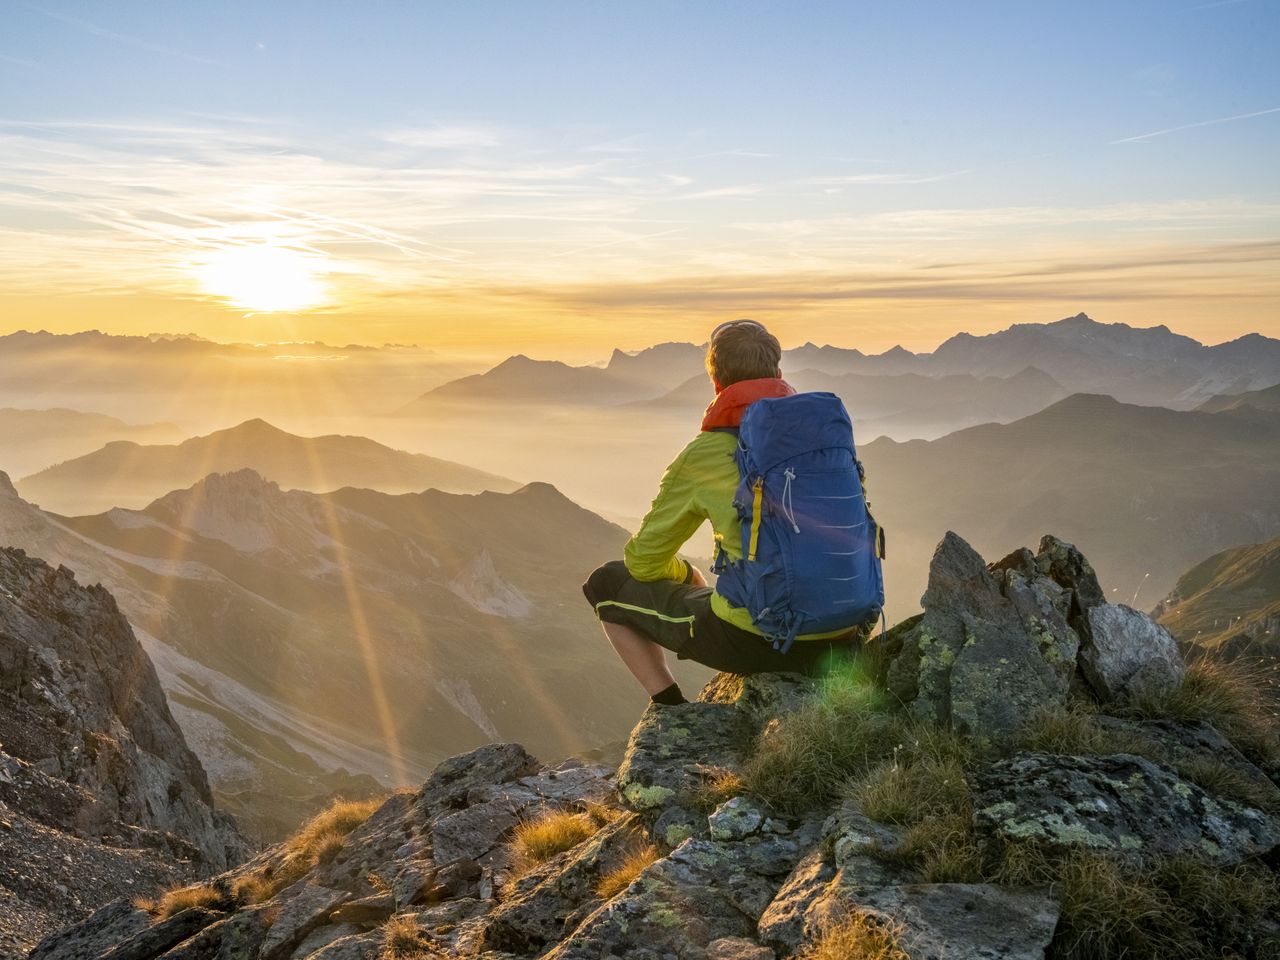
(1230, 603)
(1266, 399)
(300, 633)
(1144, 490)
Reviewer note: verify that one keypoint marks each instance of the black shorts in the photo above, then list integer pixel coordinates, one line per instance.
(678, 616)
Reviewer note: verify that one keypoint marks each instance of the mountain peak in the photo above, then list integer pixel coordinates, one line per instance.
(236, 486)
(257, 427)
(7, 490)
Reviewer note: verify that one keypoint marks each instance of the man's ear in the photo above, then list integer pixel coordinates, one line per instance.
(716, 383)
(778, 373)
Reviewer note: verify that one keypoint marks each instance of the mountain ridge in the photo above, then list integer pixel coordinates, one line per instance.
(125, 473)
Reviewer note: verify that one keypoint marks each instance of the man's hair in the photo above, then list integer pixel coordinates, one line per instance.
(742, 350)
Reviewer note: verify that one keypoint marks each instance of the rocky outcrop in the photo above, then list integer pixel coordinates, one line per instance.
(999, 642)
(91, 760)
(684, 862)
(993, 646)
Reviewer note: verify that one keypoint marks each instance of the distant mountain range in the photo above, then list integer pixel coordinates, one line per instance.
(1002, 376)
(1145, 492)
(129, 474)
(204, 385)
(904, 405)
(35, 439)
(299, 634)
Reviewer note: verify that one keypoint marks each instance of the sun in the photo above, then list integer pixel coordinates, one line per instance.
(264, 277)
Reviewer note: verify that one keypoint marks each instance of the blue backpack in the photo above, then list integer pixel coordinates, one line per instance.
(811, 550)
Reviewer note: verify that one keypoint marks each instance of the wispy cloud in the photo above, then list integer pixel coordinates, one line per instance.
(468, 214)
(445, 137)
(1192, 126)
(117, 37)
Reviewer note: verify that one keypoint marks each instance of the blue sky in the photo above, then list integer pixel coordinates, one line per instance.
(684, 147)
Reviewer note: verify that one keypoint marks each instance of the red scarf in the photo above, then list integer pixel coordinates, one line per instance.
(727, 408)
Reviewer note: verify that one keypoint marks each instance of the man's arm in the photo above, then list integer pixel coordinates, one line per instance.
(670, 522)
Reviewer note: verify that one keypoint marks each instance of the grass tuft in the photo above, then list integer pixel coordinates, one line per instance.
(174, 901)
(1229, 695)
(1178, 907)
(859, 936)
(536, 841)
(402, 939)
(804, 758)
(319, 841)
(617, 880)
(905, 793)
(720, 785)
(1074, 729)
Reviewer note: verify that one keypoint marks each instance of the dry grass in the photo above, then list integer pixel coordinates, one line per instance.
(319, 841)
(335, 822)
(402, 940)
(859, 936)
(536, 841)
(944, 849)
(174, 901)
(1228, 694)
(720, 785)
(906, 793)
(1074, 729)
(804, 758)
(617, 880)
(600, 814)
(1180, 908)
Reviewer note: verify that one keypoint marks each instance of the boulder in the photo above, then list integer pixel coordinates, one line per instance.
(703, 891)
(735, 819)
(738, 948)
(672, 749)
(944, 921)
(301, 908)
(1115, 803)
(453, 779)
(1128, 655)
(979, 662)
(1066, 566)
(96, 934)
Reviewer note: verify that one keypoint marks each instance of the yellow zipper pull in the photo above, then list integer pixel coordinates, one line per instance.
(758, 487)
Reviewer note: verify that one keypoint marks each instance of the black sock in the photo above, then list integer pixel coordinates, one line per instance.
(669, 697)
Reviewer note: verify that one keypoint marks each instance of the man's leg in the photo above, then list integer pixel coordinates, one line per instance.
(635, 646)
(645, 659)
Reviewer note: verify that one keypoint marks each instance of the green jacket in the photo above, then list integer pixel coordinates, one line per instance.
(699, 485)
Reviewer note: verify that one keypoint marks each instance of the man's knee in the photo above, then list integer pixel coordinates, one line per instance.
(605, 582)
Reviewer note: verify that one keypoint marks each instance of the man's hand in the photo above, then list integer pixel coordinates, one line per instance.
(695, 577)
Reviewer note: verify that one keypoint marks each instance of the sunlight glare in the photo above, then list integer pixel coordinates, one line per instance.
(264, 277)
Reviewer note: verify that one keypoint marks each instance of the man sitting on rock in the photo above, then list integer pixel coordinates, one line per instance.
(653, 601)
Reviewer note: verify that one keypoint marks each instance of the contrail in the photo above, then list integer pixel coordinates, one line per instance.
(120, 37)
(1191, 126)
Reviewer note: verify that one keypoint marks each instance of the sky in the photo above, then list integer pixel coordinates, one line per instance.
(564, 177)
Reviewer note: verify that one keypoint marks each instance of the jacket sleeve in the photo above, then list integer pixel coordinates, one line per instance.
(670, 522)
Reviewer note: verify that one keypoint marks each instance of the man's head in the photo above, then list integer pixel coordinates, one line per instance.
(742, 350)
